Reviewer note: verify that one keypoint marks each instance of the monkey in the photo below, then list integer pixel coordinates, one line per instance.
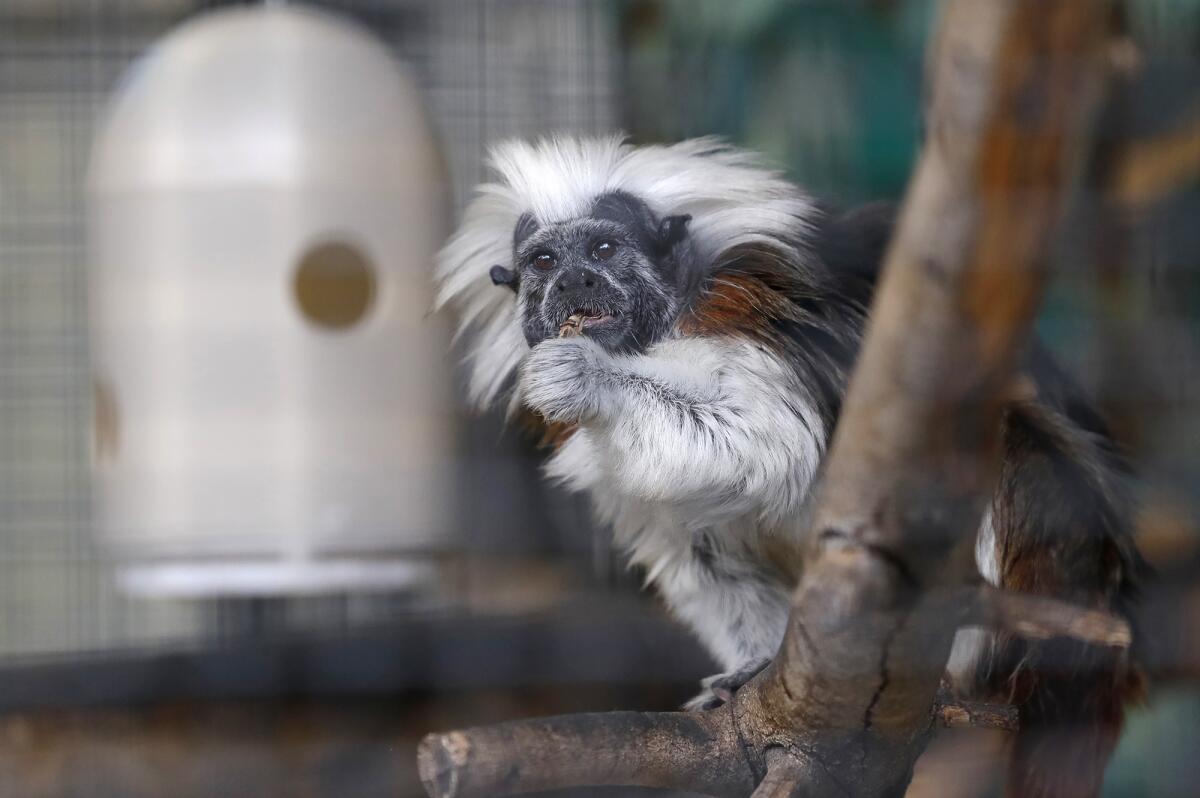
(688, 320)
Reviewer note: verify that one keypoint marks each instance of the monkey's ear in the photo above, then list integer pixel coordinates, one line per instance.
(672, 230)
(526, 226)
(503, 276)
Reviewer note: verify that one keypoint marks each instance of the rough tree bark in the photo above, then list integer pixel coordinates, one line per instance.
(851, 699)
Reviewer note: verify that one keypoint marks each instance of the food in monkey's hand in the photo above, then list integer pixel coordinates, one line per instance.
(572, 327)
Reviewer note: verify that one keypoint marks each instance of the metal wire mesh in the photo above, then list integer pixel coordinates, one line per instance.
(664, 70)
(486, 70)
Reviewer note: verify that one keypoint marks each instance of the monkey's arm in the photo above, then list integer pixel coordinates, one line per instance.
(718, 422)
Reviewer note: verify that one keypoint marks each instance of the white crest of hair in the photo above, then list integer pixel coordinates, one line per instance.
(732, 199)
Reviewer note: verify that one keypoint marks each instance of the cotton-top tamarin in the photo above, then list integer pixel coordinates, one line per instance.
(688, 320)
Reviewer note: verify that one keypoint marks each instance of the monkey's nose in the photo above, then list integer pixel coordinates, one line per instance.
(580, 278)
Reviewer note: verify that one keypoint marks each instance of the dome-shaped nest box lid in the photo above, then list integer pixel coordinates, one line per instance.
(266, 200)
(277, 96)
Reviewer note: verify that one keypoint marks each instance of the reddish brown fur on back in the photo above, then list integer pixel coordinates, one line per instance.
(735, 303)
(741, 300)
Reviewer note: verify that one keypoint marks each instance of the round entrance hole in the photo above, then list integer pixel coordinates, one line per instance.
(334, 284)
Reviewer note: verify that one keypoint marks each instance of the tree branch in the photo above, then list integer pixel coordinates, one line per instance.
(1040, 618)
(1153, 169)
(696, 751)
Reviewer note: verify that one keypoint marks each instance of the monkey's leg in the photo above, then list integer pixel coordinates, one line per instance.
(735, 603)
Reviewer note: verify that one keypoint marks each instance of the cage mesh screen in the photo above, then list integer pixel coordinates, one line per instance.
(487, 71)
(829, 90)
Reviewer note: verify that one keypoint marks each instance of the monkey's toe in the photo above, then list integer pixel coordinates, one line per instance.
(719, 689)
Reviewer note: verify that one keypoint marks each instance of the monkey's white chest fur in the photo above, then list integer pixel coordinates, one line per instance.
(700, 454)
(701, 458)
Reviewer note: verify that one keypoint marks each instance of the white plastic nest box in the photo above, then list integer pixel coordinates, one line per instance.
(273, 410)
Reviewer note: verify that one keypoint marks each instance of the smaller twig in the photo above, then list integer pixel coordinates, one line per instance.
(1040, 618)
(1155, 168)
(790, 775)
(781, 781)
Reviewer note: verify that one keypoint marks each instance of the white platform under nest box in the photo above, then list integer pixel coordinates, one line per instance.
(273, 411)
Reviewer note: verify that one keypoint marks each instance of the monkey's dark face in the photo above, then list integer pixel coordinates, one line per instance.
(616, 271)
(592, 270)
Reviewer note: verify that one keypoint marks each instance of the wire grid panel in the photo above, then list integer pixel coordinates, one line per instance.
(487, 70)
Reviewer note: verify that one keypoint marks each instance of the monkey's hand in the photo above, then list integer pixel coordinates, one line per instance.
(565, 379)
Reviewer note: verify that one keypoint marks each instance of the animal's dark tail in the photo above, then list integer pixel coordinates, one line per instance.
(1063, 528)
(1072, 701)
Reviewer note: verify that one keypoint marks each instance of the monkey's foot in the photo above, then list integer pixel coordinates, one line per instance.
(719, 689)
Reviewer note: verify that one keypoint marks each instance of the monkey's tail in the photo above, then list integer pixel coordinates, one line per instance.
(1071, 702)
(1063, 521)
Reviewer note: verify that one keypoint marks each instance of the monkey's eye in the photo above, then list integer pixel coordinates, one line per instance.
(604, 249)
(543, 261)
